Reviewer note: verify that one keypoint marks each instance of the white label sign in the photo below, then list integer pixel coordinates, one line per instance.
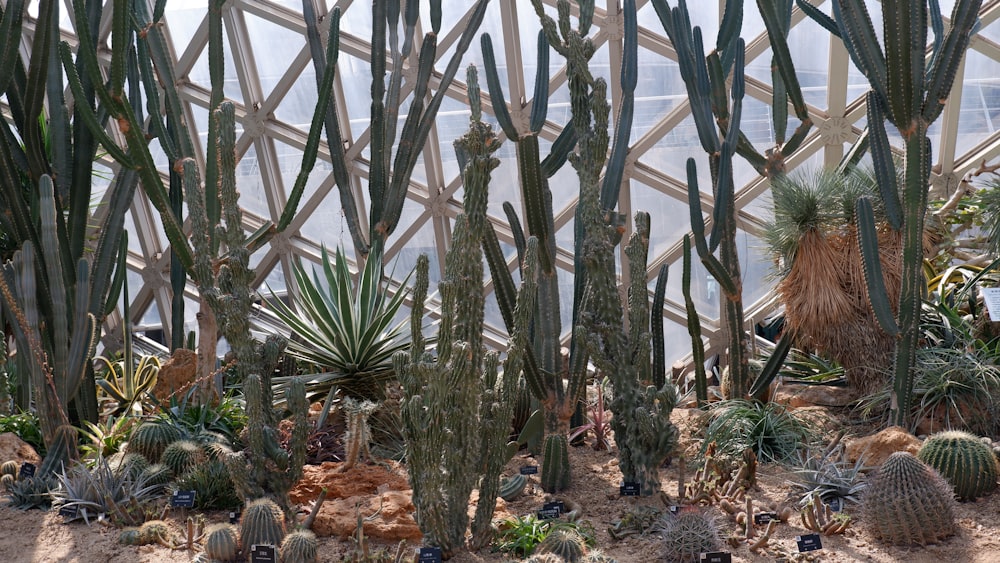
(991, 295)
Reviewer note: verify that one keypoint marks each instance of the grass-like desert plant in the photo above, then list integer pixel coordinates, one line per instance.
(774, 433)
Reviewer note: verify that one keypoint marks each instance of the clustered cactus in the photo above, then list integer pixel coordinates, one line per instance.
(964, 460)
(457, 410)
(908, 503)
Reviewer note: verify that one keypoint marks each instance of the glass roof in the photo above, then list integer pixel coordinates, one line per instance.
(271, 79)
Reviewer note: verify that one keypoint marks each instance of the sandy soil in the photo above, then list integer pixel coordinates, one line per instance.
(39, 536)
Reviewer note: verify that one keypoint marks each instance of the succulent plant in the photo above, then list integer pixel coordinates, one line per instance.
(30, 492)
(908, 503)
(262, 523)
(566, 543)
(131, 464)
(9, 468)
(687, 535)
(299, 547)
(6, 480)
(964, 460)
(91, 491)
(829, 475)
(154, 531)
(512, 487)
(214, 488)
(182, 456)
(156, 474)
(149, 439)
(222, 542)
(597, 556)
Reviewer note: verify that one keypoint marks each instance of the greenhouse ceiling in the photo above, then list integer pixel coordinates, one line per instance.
(270, 78)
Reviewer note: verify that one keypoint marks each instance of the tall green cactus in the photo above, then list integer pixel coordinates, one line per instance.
(706, 78)
(47, 147)
(457, 410)
(909, 90)
(389, 175)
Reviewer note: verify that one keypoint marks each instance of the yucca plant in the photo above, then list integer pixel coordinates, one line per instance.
(346, 329)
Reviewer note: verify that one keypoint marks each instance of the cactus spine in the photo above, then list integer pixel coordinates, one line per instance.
(182, 456)
(222, 542)
(262, 523)
(908, 503)
(456, 409)
(964, 460)
(299, 547)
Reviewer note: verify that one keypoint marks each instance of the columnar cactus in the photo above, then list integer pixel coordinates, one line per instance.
(908, 503)
(457, 410)
(909, 93)
(964, 460)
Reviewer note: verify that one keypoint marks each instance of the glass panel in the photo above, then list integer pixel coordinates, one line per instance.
(274, 48)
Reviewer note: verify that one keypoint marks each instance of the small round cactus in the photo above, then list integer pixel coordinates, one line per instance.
(149, 439)
(597, 556)
(908, 503)
(156, 474)
(544, 558)
(131, 464)
(565, 543)
(182, 456)
(964, 460)
(687, 535)
(6, 480)
(299, 547)
(221, 542)
(262, 523)
(9, 468)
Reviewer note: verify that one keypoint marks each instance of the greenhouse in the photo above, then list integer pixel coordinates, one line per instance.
(499, 280)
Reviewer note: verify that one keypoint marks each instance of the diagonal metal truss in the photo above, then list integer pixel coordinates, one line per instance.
(269, 77)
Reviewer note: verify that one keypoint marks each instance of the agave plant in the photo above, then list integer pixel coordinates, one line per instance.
(126, 497)
(346, 330)
(829, 475)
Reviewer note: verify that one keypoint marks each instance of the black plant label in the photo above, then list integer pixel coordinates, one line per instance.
(69, 512)
(764, 517)
(629, 489)
(836, 504)
(27, 470)
(182, 499)
(549, 513)
(529, 469)
(808, 542)
(234, 517)
(716, 557)
(429, 555)
(263, 553)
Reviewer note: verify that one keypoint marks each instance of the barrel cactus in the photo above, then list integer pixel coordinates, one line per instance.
(9, 468)
(687, 535)
(182, 456)
(221, 542)
(6, 480)
(156, 474)
(299, 547)
(564, 542)
(131, 464)
(150, 439)
(262, 523)
(908, 503)
(964, 460)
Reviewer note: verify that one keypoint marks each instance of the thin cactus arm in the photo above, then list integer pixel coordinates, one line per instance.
(771, 367)
(694, 329)
(496, 90)
(904, 59)
(712, 264)
(882, 160)
(941, 75)
(818, 16)
(868, 241)
(862, 45)
(10, 30)
(656, 328)
(615, 170)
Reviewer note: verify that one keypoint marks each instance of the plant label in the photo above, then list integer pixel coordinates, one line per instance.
(629, 489)
(182, 499)
(234, 517)
(808, 542)
(429, 555)
(549, 513)
(27, 470)
(836, 504)
(555, 505)
(674, 509)
(263, 553)
(69, 512)
(991, 295)
(764, 517)
(529, 469)
(717, 557)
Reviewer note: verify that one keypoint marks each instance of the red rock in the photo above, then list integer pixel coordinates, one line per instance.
(878, 447)
(14, 448)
